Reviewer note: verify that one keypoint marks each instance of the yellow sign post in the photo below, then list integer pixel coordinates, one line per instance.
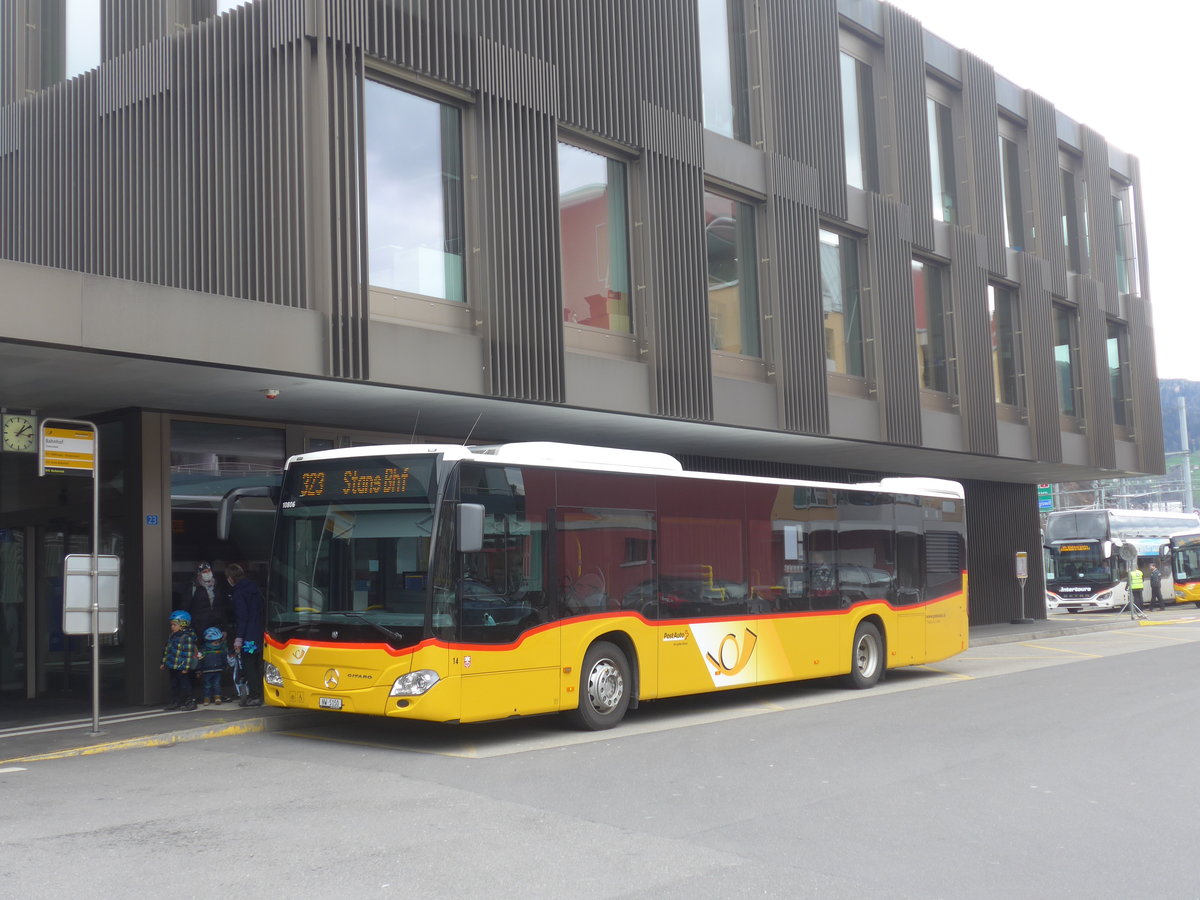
(67, 451)
(68, 447)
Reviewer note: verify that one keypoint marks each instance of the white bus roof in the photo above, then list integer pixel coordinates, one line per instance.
(610, 459)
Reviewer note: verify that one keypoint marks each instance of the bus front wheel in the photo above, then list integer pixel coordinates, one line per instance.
(866, 656)
(604, 687)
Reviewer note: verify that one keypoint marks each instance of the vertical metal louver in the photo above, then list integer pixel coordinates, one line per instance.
(977, 395)
(895, 335)
(598, 80)
(1001, 515)
(796, 287)
(1147, 411)
(521, 297)
(983, 136)
(905, 123)
(1101, 229)
(437, 39)
(676, 296)
(1094, 377)
(1041, 386)
(178, 162)
(1045, 185)
(805, 93)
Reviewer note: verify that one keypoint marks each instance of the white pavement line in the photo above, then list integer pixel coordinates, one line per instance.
(70, 724)
(12, 769)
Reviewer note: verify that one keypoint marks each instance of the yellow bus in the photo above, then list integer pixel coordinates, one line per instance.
(463, 584)
(1183, 550)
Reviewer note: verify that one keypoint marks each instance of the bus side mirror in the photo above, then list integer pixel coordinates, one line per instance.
(470, 527)
(1164, 552)
(1108, 548)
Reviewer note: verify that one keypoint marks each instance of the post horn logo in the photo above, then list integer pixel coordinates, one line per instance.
(730, 658)
(331, 678)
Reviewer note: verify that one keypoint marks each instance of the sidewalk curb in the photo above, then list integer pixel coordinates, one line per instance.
(1050, 631)
(167, 739)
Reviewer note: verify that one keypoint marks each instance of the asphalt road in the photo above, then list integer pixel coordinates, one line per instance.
(1054, 768)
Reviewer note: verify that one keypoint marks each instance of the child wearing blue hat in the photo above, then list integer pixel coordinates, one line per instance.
(179, 659)
(212, 664)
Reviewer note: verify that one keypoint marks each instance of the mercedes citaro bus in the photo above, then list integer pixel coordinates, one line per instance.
(461, 584)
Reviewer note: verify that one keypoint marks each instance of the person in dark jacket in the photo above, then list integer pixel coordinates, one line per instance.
(1156, 597)
(179, 659)
(250, 619)
(209, 603)
(210, 607)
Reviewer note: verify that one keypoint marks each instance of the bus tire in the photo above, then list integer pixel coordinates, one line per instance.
(867, 661)
(605, 683)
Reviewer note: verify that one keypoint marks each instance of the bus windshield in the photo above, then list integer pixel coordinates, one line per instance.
(1079, 562)
(351, 551)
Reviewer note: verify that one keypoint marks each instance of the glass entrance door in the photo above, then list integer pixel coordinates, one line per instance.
(16, 608)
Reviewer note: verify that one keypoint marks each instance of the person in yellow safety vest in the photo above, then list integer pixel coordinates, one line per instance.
(1135, 587)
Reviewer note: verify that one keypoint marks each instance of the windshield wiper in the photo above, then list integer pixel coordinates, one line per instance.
(391, 635)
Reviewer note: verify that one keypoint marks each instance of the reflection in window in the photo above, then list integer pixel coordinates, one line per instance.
(841, 306)
(934, 342)
(1117, 347)
(209, 459)
(595, 252)
(858, 123)
(1070, 220)
(1010, 185)
(414, 193)
(1065, 359)
(732, 275)
(941, 160)
(1124, 257)
(1006, 351)
(723, 68)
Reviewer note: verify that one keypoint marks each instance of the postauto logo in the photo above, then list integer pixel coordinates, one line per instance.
(727, 652)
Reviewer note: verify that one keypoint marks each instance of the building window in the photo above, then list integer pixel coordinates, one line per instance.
(595, 245)
(723, 68)
(1070, 220)
(82, 37)
(1118, 373)
(1066, 359)
(1125, 225)
(1006, 348)
(941, 160)
(841, 304)
(732, 275)
(414, 193)
(934, 339)
(1010, 185)
(858, 124)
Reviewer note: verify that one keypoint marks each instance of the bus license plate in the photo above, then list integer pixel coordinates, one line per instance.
(329, 702)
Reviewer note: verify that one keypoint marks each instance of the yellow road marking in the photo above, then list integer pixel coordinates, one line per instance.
(160, 740)
(961, 676)
(1065, 650)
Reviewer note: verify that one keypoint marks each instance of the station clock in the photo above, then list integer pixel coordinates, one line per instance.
(19, 433)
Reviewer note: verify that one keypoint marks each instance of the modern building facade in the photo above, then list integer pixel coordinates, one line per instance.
(766, 236)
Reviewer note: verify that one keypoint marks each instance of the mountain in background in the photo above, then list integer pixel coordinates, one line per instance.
(1169, 392)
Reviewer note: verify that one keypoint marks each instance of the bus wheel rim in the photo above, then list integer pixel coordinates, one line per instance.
(866, 654)
(606, 686)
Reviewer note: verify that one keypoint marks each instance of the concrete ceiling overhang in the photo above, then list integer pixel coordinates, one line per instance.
(69, 383)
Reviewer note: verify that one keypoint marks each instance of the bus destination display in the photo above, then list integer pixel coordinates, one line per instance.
(361, 479)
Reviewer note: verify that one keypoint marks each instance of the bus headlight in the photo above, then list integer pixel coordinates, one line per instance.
(1107, 595)
(271, 675)
(414, 684)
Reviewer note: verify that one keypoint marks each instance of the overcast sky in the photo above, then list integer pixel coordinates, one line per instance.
(1139, 93)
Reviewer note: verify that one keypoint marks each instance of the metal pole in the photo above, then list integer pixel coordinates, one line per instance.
(1185, 445)
(96, 585)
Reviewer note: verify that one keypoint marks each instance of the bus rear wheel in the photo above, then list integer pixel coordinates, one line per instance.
(866, 657)
(604, 687)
